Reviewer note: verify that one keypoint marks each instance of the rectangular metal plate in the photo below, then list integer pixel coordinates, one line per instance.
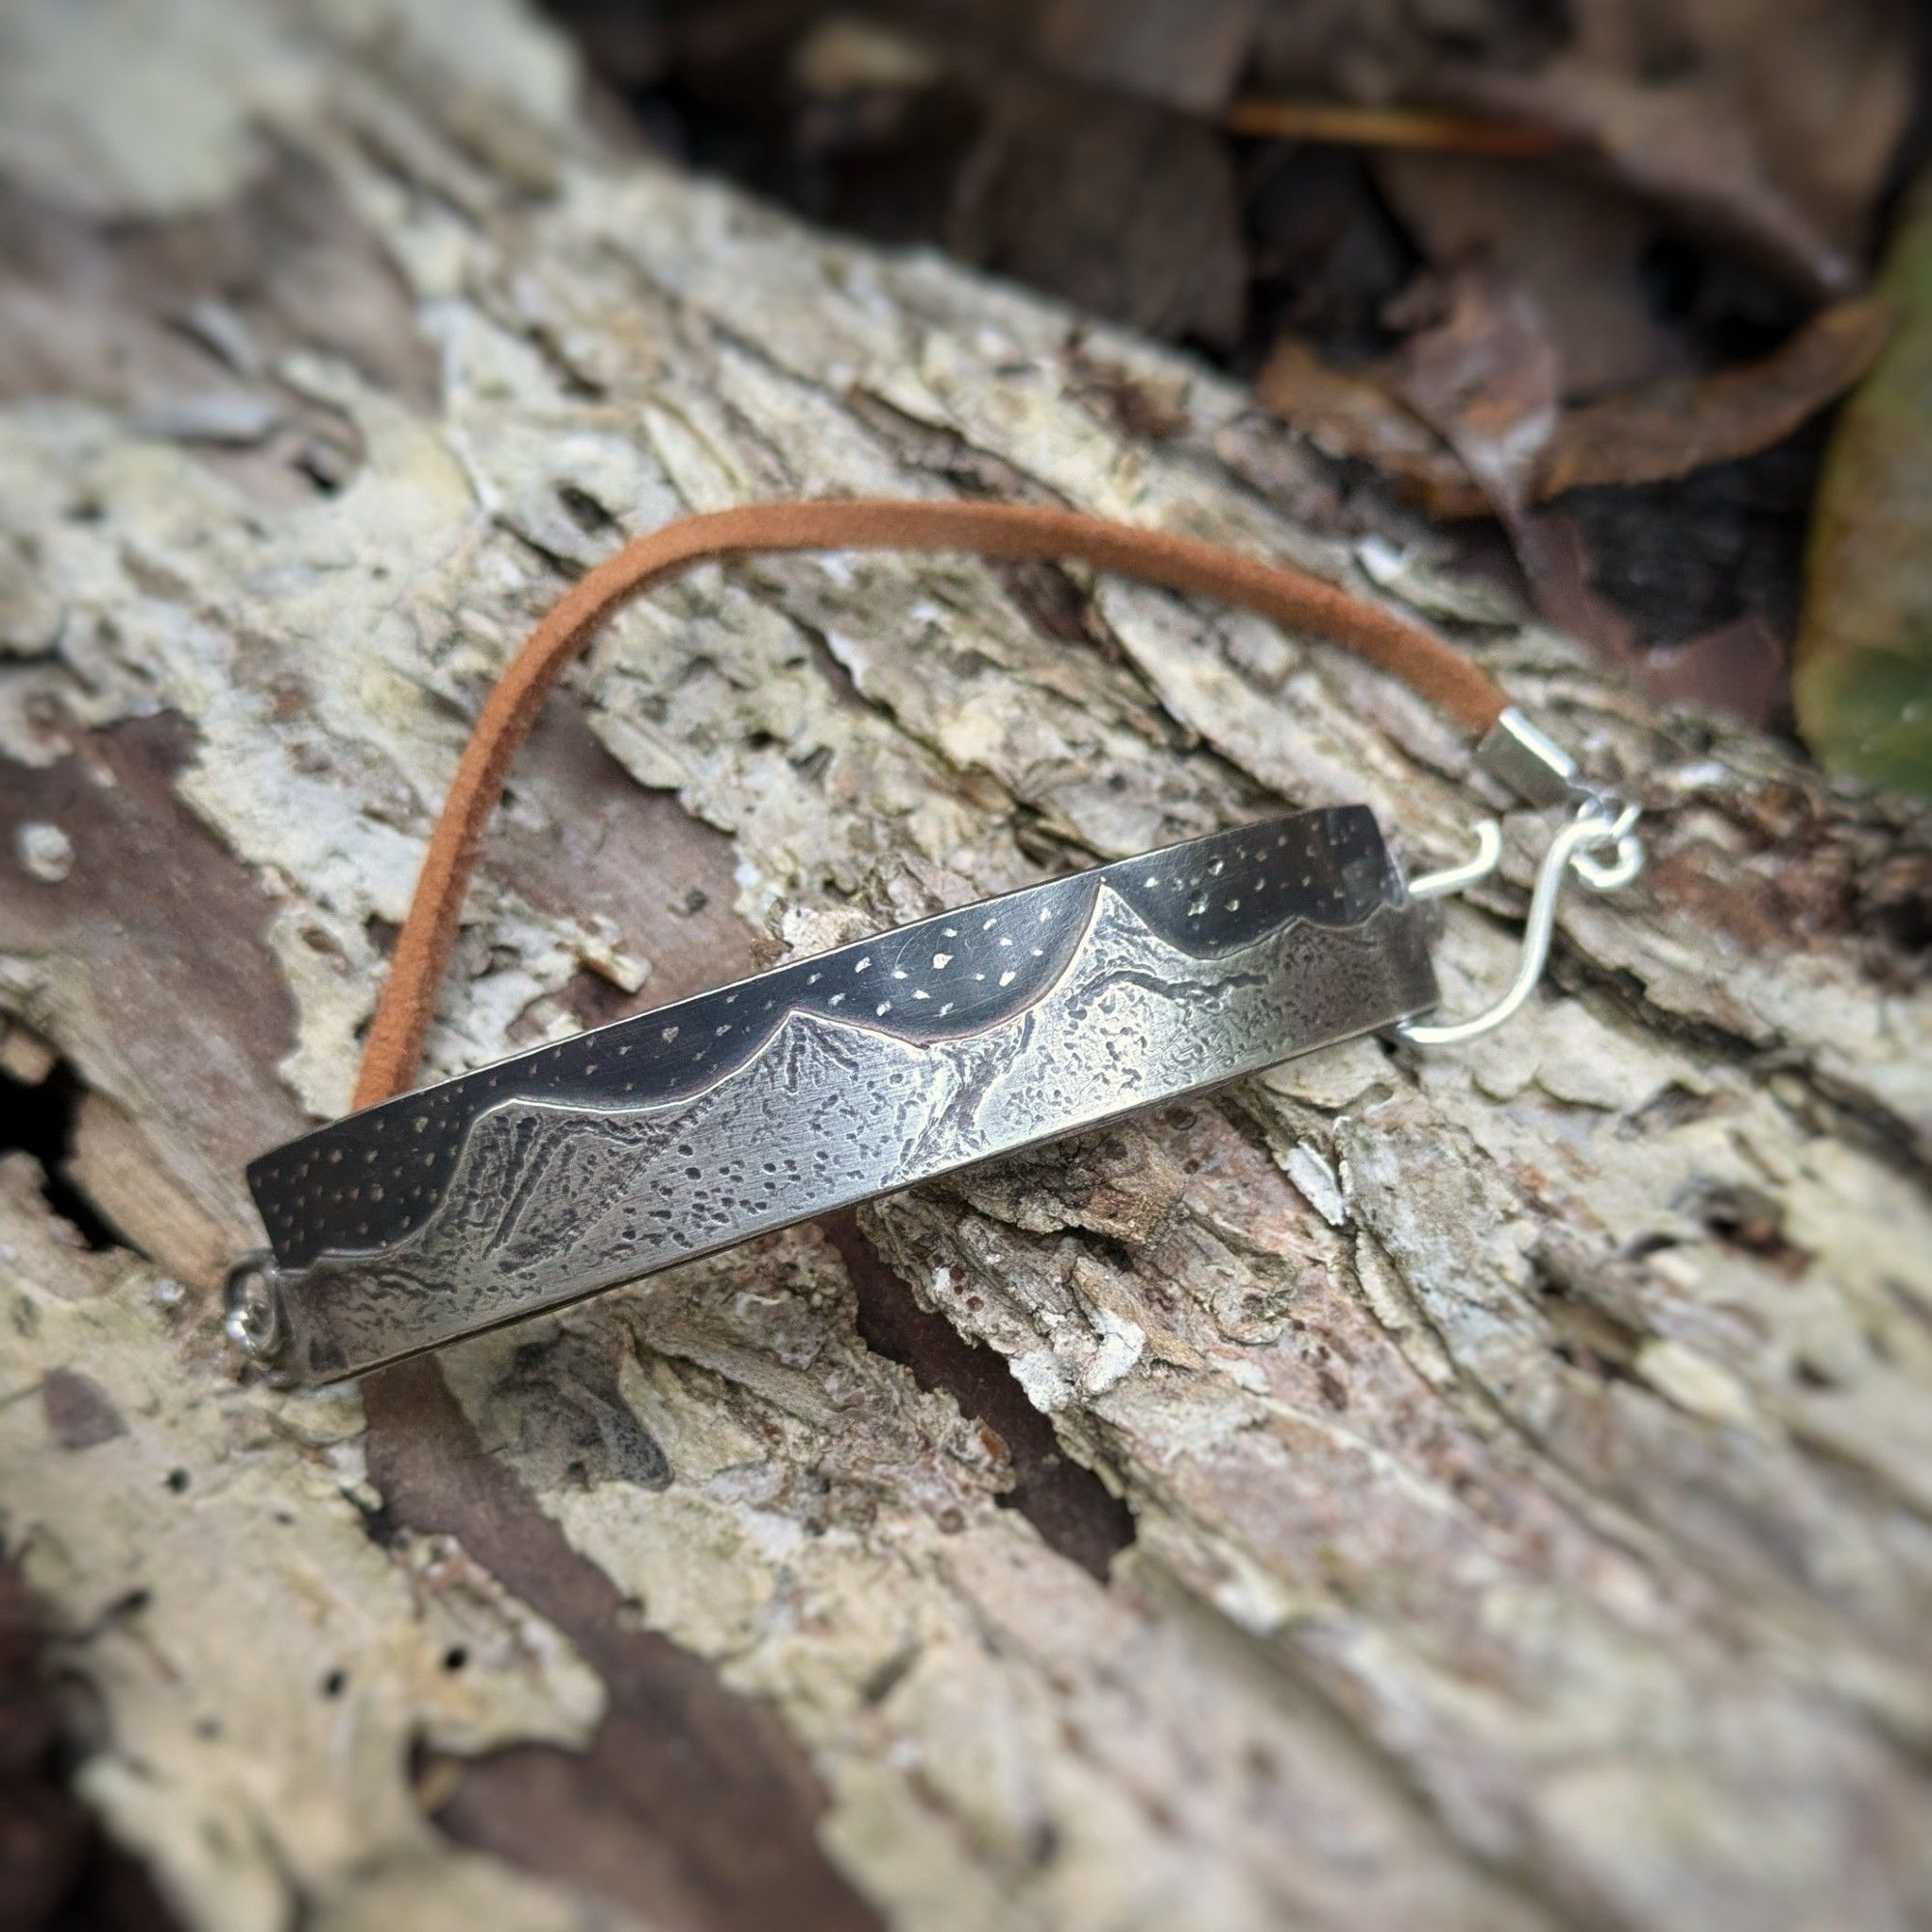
(825, 1082)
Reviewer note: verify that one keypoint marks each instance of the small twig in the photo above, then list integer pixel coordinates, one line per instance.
(1343, 125)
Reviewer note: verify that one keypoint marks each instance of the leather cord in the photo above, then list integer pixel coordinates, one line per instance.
(1010, 531)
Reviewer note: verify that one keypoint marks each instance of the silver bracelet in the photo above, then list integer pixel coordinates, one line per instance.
(577, 1166)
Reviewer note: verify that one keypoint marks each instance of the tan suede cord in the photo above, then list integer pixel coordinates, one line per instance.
(1006, 530)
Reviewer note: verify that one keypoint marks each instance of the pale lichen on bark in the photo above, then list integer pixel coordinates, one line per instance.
(1526, 1449)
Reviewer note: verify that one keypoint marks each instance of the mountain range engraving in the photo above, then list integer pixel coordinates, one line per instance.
(545, 1201)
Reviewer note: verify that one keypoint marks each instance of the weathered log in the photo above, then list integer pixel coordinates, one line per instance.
(1483, 1489)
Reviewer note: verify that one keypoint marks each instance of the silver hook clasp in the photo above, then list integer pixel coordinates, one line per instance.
(1600, 819)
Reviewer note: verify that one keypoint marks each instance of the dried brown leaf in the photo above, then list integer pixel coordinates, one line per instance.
(1352, 415)
(1574, 245)
(1649, 435)
(1684, 423)
(1771, 135)
(1483, 375)
(1768, 125)
(1117, 205)
(1815, 92)
(1185, 54)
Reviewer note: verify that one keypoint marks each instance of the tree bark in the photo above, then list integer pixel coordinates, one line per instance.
(1486, 1489)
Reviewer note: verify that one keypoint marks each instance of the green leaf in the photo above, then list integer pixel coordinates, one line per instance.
(1864, 676)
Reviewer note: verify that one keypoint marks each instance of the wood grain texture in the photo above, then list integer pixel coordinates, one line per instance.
(1488, 1488)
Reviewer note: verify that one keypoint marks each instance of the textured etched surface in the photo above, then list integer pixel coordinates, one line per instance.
(362, 1184)
(846, 1077)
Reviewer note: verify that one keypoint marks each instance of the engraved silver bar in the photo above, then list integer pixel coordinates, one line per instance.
(822, 1083)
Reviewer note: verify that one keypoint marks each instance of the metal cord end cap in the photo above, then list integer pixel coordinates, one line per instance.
(1525, 759)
